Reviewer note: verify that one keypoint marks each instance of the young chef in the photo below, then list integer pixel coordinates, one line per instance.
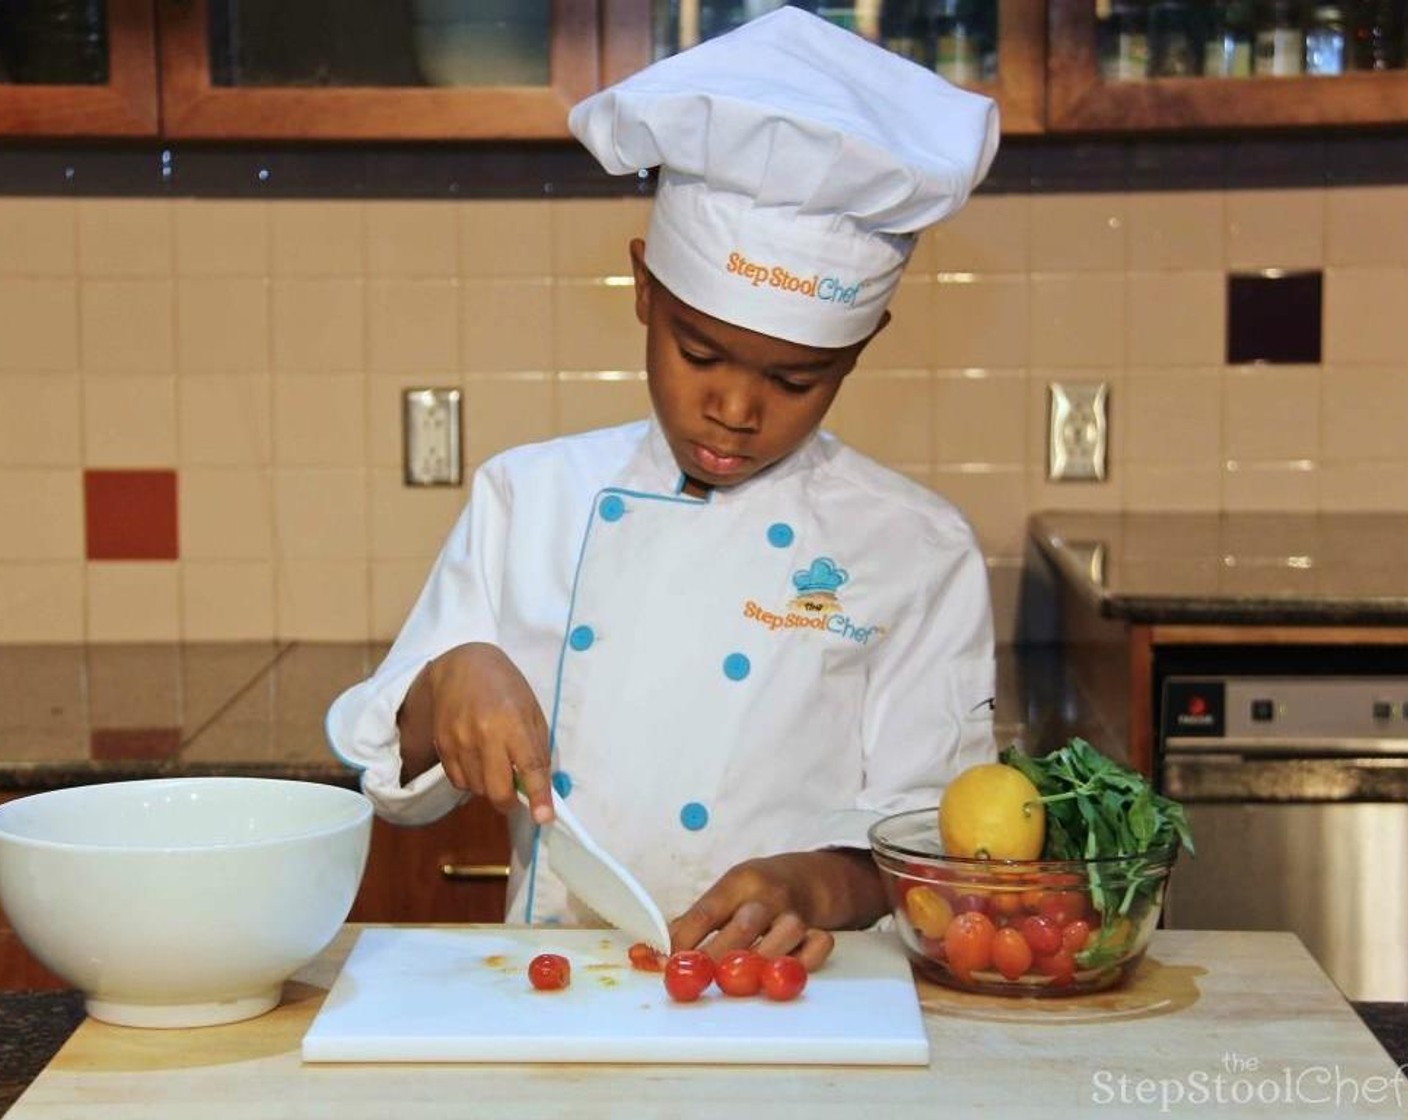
(732, 642)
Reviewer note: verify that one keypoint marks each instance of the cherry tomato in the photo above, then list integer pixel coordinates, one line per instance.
(1074, 935)
(688, 974)
(928, 911)
(968, 943)
(970, 902)
(1011, 955)
(1060, 966)
(784, 978)
(646, 958)
(1062, 907)
(1042, 934)
(739, 972)
(549, 972)
(1006, 903)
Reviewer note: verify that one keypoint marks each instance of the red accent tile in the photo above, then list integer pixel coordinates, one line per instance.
(130, 515)
(127, 744)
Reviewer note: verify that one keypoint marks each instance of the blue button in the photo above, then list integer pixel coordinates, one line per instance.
(581, 638)
(611, 508)
(780, 534)
(694, 816)
(737, 666)
(562, 782)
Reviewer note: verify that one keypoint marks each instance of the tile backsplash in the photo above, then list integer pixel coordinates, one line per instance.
(255, 352)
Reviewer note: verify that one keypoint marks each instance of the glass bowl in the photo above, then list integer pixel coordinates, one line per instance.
(1078, 926)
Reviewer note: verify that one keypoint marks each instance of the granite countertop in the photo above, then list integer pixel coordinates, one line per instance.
(1243, 568)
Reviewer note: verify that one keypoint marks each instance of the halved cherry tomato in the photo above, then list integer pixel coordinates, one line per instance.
(646, 958)
(968, 943)
(1042, 934)
(688, 974)
(784, 978)
(1011, 955)
(549, 972)
(739, 972)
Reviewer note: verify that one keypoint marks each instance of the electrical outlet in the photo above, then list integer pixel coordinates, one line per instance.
(1076, 442)
(431, 437)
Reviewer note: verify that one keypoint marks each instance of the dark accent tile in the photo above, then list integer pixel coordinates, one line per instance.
(1171, 164)
(1011, 171)
(1279, 161)
(1366, 159)
(1274, 317)
(130, 515)
(1081, 165)
(127, 744)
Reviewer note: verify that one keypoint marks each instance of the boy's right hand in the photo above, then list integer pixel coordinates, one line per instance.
(473, 710)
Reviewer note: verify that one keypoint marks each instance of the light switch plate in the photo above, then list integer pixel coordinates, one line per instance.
(1077, 437)
(431, 437)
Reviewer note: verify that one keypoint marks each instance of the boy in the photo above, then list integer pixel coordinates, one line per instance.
(733, 642)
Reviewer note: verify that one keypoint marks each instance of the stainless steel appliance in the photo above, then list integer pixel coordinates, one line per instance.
(1296, 785)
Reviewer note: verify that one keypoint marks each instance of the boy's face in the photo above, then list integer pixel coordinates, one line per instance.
(730, 401)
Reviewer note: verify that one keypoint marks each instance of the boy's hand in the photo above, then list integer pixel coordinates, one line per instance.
(484, 724)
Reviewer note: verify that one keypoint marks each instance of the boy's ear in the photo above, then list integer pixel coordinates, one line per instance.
(644, 280)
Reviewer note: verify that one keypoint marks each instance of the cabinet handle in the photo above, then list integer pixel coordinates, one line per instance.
(473, 872)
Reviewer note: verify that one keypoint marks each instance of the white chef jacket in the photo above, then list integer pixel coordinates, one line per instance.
(770, 668)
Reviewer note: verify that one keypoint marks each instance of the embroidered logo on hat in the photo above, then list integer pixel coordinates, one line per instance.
(827, 289)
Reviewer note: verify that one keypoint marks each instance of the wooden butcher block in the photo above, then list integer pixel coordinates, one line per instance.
(457, 994)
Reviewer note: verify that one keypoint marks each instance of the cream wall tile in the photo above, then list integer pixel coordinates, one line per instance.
(1150, 487)
(990, 234)
(42, 515)
(318, 326)
(226, 601)
(509, 410)
(38, 237)
(320, 515)
(1072, 232)
(134, 687)
(1172, 417)
(222, 324)
(1363, 414)
(595, 328)
(129, 421)
(591, 236)
(39, 323)
(128, 326)
(322, 601)
(505, 239)
(1176, 318)
(410, 522)
(1271, 412)
(586, 402)
(994, 501)
(320, 420)
(1078, 319)
(134, 601)
(219, 238)
(40, 420)
(1275, 229)
(42, 602)
(412, 327)
(225, 420)
(887, 415)
(1367, 226)
(1364, 315)
(412, 239)
(506, 326)
(980, 416)
(982, 321)
(907, 340)
(395, 586)
(125, 237)
(318, 238)
(1290, 486)
(1176, 229)
(226, 514)
(1361, 487)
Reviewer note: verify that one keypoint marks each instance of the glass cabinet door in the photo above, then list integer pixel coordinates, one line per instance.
(75, 67)
(365, 69)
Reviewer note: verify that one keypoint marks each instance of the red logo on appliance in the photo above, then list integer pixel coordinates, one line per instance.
(1197, 706)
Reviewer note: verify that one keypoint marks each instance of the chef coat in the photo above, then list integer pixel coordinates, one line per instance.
(770, 668)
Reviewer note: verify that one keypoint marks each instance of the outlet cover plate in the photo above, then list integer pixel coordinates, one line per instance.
(431, 437)
(1077, 439)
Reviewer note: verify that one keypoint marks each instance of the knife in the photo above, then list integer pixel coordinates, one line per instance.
(594, 876)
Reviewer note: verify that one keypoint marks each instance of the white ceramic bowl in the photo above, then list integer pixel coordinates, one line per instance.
(186, 901)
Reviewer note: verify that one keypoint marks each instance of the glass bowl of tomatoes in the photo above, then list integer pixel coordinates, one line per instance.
(1017, 927)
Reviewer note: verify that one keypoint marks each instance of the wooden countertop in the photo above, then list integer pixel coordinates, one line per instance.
(1235, 1016)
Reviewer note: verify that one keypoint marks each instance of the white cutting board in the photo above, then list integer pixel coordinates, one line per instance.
(410, 994)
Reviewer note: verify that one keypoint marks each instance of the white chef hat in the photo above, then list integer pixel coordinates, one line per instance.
(798, 161)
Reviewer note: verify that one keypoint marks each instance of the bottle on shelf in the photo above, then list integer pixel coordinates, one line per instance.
(1123, 30)
(1227, 45)
(1377, 31)
(1279, 47)
(1325, 42)
(1174, 47)
(958, 54)
(904, 29)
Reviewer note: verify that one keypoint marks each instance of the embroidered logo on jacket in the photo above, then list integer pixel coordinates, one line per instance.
(816, 605)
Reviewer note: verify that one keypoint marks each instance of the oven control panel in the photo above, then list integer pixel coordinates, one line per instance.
(1285, 714)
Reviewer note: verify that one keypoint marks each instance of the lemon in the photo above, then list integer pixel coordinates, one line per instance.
(992, 811)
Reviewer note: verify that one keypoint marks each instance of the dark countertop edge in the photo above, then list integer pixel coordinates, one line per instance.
(31, 776)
